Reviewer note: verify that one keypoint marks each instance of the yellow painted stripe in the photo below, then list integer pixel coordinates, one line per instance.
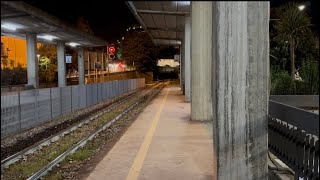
(138, 161)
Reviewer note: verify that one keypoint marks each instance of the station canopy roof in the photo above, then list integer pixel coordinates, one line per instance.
(163, 20)
(19, 18)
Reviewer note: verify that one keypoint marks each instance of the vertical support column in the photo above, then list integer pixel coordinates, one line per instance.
(187, 58)
(89, 78)
(102, 61)
(240, 89)
(95, 69)
(81, 65)
(182, 75)
(32, 61)
(61, 64)
(201, 56)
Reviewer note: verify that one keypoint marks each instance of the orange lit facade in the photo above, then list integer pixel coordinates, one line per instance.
(14, 49)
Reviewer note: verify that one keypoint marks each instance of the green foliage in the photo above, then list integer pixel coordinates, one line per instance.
(4, 62)
(293, 22)
(310, 75)
(291, 28)
(49, 51)
(139, 48)
(11, 63)
(14, 76)
(44, 62)
(83, 25)
(281, 82)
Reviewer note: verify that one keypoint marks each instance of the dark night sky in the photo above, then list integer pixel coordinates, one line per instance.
(110, 19)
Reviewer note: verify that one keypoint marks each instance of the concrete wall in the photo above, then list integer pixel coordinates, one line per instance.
(122, 75)
(27, 109)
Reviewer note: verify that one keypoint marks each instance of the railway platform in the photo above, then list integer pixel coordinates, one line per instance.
(162, 143)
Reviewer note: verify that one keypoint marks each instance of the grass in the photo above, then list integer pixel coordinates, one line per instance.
(34, 162)
(86, 152)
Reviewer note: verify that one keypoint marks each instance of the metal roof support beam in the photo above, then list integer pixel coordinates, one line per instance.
(172, 39)
(11, 16)
(163, 12)
(165, 29)
(134, 11)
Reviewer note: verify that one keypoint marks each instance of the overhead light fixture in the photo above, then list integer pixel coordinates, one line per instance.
(184, 3)
(73, 44)
(10, 26)
(47, 37)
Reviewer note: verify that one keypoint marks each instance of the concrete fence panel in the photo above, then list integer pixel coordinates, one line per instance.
(89, 94)
(56, 102)
(66, 99)
(94, 93)
(28, 104)
(43, 108)
(100, 91)
(75, 104)
(10, 114)
(83, 96)
(30, 108)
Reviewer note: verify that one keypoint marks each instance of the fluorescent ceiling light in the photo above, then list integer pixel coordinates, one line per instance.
(73, 44)
(184, 3)
(10, 26)
(47, 37)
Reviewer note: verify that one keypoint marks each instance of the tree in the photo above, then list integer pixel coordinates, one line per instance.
(83, 25)
(44, 62)
(48, 62)
(4, 62)
(139, 48)
(12, 63)
(49, 51)
(292, 27)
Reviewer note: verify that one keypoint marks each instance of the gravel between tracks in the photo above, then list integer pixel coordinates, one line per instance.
(73, 169)
(14, 143)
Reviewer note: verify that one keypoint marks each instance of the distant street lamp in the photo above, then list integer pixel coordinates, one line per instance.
(301, 7)
(38, 55)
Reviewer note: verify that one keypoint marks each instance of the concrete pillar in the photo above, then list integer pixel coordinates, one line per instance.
(89, 65)
(81, 65)
(187, 58)
(102, 61)
(201, 59)
(240, 89)
(32, 60)
(61, 64)
(182, 75)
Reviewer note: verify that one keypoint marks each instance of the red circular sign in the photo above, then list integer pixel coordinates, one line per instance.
(112, 49)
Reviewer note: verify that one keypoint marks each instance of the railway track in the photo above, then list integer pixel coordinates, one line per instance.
(24, 143)
(122, 107)
(56, 136)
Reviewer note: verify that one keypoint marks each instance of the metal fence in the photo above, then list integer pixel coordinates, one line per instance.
(294, 139)
(297, 100)
(26, 109)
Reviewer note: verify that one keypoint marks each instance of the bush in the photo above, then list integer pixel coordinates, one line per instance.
(282, 83)
(310, 76)
(14, 76)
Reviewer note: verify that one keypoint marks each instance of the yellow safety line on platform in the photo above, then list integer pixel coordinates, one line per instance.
(138, 161)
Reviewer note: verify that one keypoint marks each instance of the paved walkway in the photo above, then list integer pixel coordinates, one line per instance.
(162, 144)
